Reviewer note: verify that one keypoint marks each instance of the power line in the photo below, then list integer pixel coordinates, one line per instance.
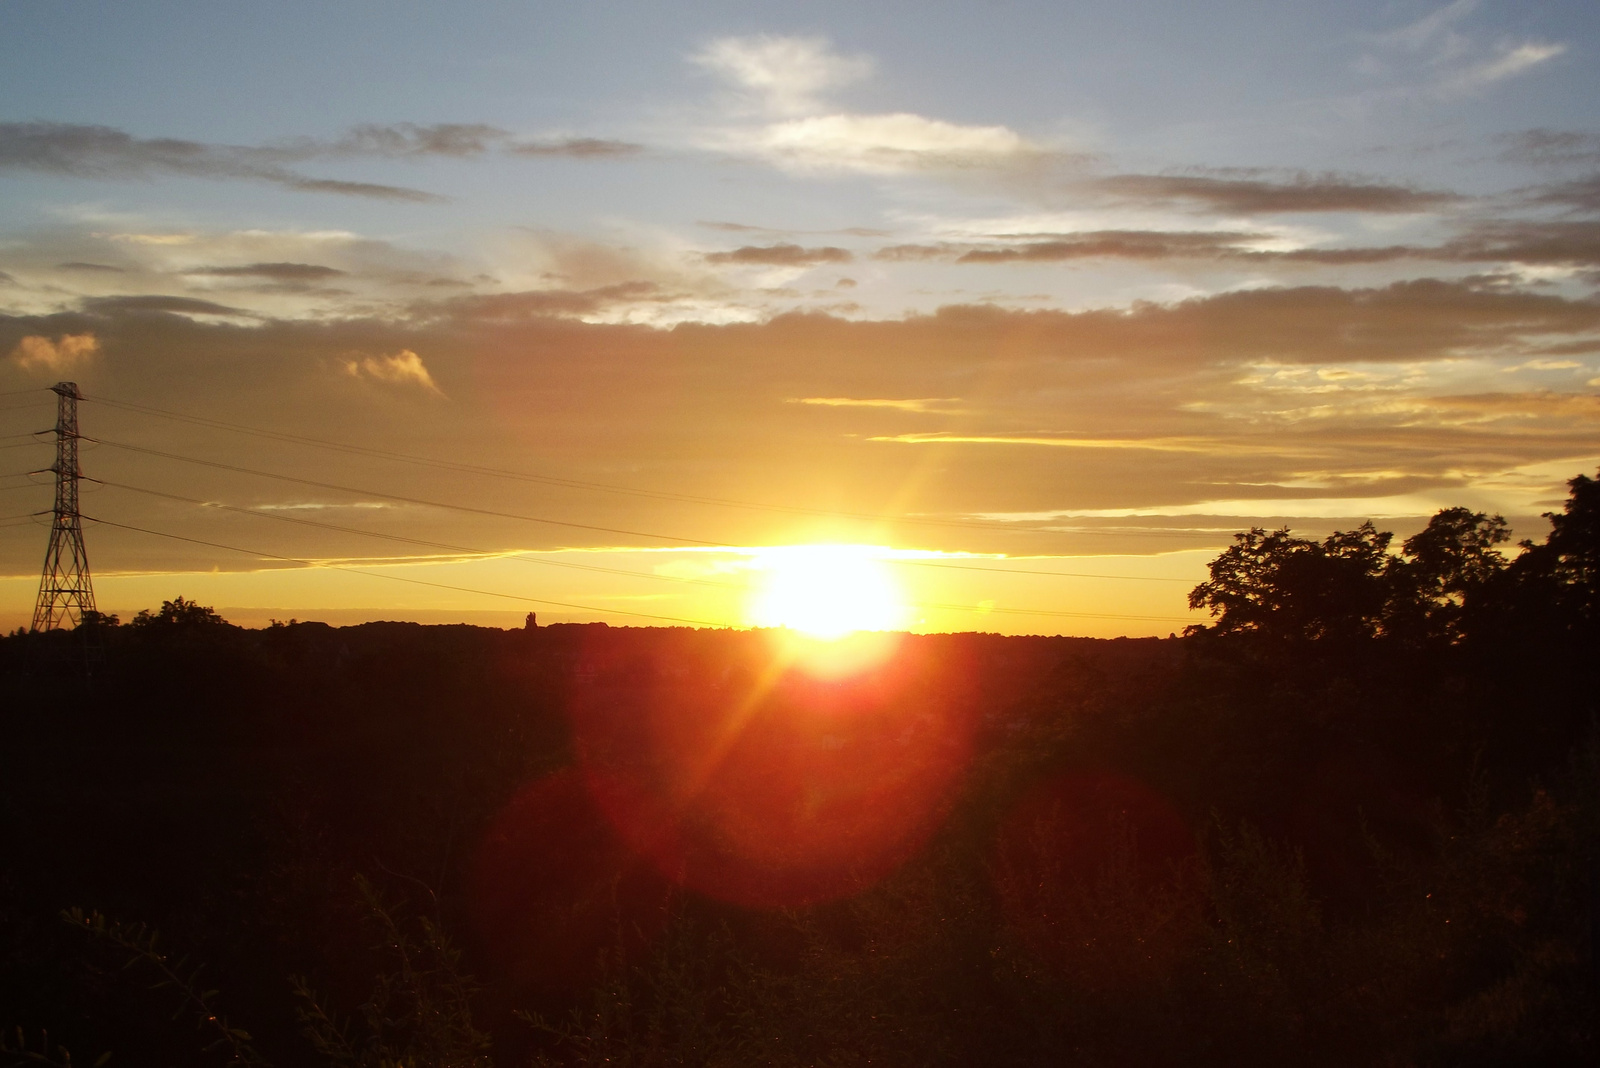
(525, 476)
(399, 578)
(421, 542)
(571, 483)
(1025, 571)
(359, 491)
(467, 550)
(395, 496)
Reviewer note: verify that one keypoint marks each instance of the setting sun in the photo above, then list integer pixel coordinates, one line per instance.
(827, 591)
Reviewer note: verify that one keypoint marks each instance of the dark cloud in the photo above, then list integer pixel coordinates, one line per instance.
(739, 228)
(1259, 196)
(576, 148)
(1567, 244)
(372, 190)
(459, 140)
(79, 265)
(6, 279)
(781, 256)
(1117, 244)
(539, 303)
(406, 139)
(102, 152)
(1563, 243)
(161, 304)
(1582, 194)
(1548, 147)
(278, 272)
(746, 228)
(1150, 404)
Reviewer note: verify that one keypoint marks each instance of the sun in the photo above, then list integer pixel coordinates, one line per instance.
(827, 591)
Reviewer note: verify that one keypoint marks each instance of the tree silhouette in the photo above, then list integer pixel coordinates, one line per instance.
(1279, 586)
(179, 613)
(1445, 566)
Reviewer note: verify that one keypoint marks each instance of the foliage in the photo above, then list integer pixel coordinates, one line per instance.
(419, 1012)
(139, 947)
(1280, 585)
(178, 613)
(1357, 825)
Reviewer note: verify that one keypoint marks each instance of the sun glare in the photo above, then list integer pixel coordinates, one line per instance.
(827, 591)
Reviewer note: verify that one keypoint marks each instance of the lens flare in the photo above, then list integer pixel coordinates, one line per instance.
(827, 591)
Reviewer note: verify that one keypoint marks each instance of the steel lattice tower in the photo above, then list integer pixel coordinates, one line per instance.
(65, 594)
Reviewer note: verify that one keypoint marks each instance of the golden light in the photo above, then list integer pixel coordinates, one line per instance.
(827, 591)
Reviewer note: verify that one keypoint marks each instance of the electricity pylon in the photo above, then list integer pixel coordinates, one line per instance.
(65, 594)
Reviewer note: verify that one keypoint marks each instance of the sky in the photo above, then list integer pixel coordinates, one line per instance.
(455, 312)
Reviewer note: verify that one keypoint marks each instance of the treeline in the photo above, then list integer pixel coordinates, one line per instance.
(1353, 821)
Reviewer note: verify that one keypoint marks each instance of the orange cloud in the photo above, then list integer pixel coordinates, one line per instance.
(404, 368)
(38, 353)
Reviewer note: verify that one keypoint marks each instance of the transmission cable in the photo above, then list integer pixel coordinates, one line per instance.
(396, 496)
(481, 553)
(399, 578)
(571, 483)
(422, 542)
(358, 491)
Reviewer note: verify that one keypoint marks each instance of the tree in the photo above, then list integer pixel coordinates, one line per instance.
(178, 613)
(1277, 585)
(1569, 560)
(1445, 568)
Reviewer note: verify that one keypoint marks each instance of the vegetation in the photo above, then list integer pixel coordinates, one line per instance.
(1353, 821)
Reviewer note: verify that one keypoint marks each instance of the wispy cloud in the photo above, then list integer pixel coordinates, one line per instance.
(1257, 194)
(781, 256)
(403, 368)
(938, 405)
(278, 272)
(786, 75)
(106, 153)
(1510, 61)
(783, 82)
(102, 152)
(1452, 60)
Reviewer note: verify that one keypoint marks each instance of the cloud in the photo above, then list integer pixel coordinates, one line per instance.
(458, 140)
(38, 353)
(158, 304)
(781, 256)
(786, 79)
(1582, 194)
(106, 153)
(1433, 30)
(79, 265)
(533, 304)
(887, 144)
(404, 139)
(1554, 244)
(1256, 196)
(1455, 63)
(1205, 446)
(278, 272)
(403, 368)
(786, 74)
(1510, 62)
(914, 404)
(1149, 405)
(576, 148)
(746, 228)
(102, 152)
(1546, 147)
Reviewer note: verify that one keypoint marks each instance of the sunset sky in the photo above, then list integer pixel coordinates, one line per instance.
(644, 292)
